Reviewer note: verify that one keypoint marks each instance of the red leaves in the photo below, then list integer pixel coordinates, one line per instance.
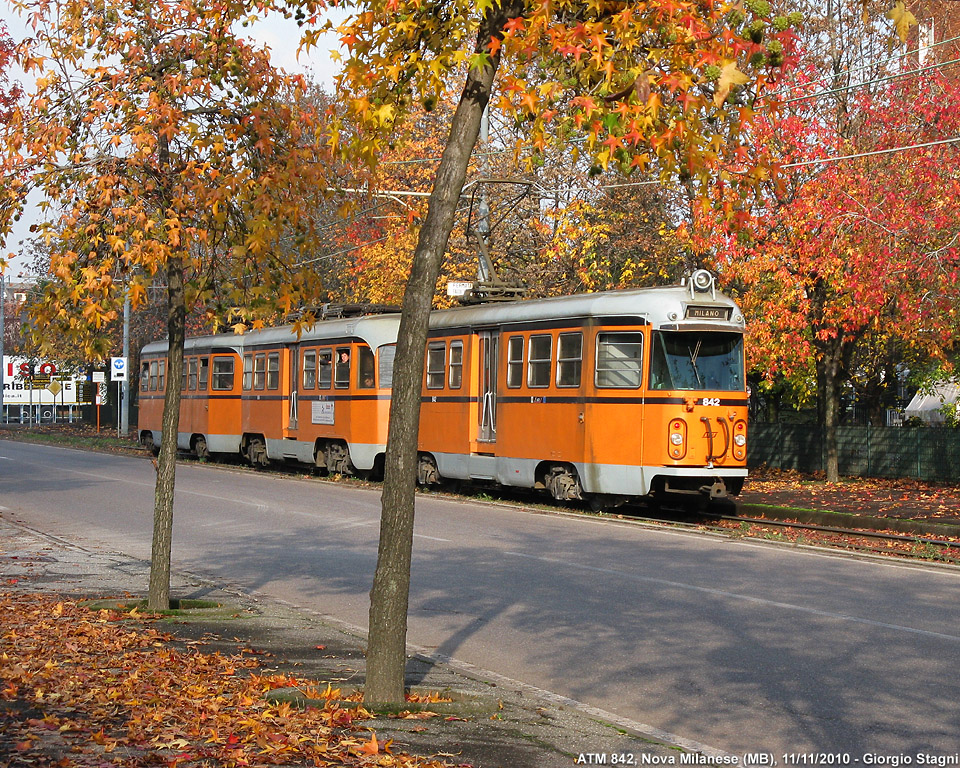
(875, 497)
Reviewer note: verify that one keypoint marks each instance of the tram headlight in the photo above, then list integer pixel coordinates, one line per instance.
(740, 440)
(677, 438)
(702, 281)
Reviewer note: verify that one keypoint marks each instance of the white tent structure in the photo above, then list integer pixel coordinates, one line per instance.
(926, 405)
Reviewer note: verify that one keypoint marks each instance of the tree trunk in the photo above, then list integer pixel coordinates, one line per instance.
(828, 375)
(389, 597)
(158, 598)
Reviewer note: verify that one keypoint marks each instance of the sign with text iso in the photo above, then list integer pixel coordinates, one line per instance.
(118, 369)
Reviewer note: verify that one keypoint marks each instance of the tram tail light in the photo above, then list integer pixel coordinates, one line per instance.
(740, 440)
(677, 439)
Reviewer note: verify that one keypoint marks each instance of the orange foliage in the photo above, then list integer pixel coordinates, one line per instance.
(96, 687)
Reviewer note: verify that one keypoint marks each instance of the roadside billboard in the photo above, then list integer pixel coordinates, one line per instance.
(46, 386)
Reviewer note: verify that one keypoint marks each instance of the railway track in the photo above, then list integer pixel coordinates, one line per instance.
(861, 540)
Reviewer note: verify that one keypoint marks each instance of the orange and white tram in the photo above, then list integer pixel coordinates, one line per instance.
(322, 399)
(604, 396)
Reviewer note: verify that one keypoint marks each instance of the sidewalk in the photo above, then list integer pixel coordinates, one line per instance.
(493, 722)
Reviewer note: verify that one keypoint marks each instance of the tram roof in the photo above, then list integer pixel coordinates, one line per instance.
(661, 307)
(375, 330)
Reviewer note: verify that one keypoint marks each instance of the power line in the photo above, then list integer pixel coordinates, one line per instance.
(883, 79)
(849, 72)
(874, 153)
(333, 255)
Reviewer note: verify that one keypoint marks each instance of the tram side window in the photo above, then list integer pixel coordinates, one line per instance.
(309, 369)
(387, 355)
(324, 368)
(222, 373)
(341, 372)
(144, 377)
(259, 371)
(456, 364)
(273, 370)
(436, 364)
(192, 374)
(365, 368)
(569, 359)
(183, 375)
(203, 374)
(515, 361)
(161, 374)
(538, 365)
(619, 358)
(248, 371)
(153, 376)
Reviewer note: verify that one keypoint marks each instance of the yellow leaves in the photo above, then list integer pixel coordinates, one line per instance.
(137, 294)
(729, 77)
(360, 106)
(385, 114)
(902, 20)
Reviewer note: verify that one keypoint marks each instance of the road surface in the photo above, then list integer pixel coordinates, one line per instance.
(736, 645)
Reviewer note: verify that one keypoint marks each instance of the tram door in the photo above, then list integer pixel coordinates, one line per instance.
(489, 354)
(293, 372)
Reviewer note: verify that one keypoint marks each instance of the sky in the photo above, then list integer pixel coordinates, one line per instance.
(281, 36)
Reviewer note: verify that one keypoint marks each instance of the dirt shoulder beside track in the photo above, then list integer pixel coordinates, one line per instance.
(902, 499)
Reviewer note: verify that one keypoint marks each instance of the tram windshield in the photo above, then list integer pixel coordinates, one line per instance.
(697, 360)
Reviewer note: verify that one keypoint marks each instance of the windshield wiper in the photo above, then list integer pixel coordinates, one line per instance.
(693, 362)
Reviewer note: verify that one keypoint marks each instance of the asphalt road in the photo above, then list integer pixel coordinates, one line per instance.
(739, 646)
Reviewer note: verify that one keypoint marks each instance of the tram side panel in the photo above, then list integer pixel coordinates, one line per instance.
(263, 409)
(216, 411)
(153, 369)
(194, 402)
(344, 401)
(616, 436)
(542, 428)
(451, 407)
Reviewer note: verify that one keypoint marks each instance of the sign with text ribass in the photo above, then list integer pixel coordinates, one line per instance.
(25, 383)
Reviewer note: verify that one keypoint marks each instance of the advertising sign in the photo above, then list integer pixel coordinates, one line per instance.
(40, 384)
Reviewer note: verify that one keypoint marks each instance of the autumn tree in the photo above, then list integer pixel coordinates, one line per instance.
(833, 273)
(169, 153)
(663, 86)
(851, 267)
(558, 225)
(9, 91)
(9, 94)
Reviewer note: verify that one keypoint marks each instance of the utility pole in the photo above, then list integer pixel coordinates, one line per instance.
(125, 384)
(485, 271)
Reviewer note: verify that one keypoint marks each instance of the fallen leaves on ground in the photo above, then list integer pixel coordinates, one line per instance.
(94, 688)
(876, 497)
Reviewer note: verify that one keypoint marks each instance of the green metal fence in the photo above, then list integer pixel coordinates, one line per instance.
(865, 451)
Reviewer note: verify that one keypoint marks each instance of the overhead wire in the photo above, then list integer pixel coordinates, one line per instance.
(916, 72)
(874, 65)
(885, 78)
(873, 153)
